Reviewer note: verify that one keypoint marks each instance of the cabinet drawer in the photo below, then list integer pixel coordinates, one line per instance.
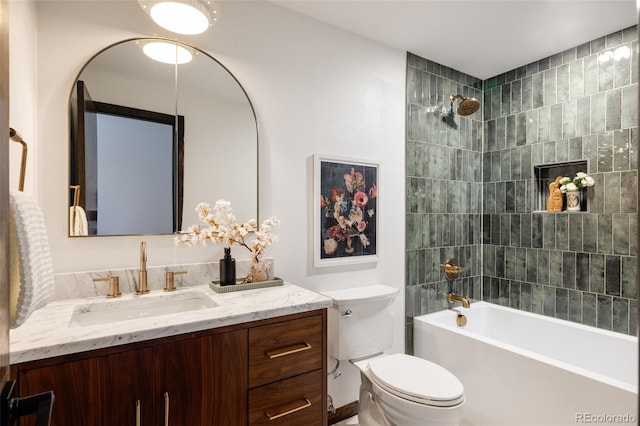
(285, 349)
(294, 401)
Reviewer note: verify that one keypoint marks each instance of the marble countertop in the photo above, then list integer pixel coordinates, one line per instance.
(47, 332)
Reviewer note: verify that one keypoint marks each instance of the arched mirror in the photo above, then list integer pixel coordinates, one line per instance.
(150, 140)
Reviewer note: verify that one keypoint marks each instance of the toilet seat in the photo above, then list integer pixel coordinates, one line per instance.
(417, 380)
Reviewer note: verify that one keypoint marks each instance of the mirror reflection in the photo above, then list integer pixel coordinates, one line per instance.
(150, 140)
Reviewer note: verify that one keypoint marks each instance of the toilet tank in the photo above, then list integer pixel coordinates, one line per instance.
(360, 322)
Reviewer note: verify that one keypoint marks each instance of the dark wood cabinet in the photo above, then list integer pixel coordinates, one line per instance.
(202, 381)
(265, 372)
(287, 372)
(128, 396)
(93, 391)
(284, 349)
(294, 401)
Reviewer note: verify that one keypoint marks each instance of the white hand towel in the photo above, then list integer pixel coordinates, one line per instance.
(78, 222)
(32, 283)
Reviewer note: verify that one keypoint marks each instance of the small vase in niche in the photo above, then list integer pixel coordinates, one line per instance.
(573, 201)
(227, 268)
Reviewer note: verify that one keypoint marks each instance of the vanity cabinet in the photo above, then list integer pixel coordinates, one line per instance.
(192, 381)
(271, 371)
(286, 362)
(92, 391)
(202, 381)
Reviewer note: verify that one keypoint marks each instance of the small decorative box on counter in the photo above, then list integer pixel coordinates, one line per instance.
(239, 286)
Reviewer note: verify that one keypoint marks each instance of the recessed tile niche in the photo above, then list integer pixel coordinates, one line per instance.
(545, 174)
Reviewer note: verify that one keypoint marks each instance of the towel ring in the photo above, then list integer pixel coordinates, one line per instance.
(76, 199)
(76, 194)
(15, 136)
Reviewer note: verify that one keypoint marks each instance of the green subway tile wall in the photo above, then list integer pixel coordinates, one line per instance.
(470, 186)
(444, 188)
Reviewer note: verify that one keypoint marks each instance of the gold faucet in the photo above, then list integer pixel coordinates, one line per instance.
(114, 285)
(451, 298)
(142, 275)
(170, 284)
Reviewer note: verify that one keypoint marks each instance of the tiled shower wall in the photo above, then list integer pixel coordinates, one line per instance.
(444, 188)
(578, 104)
(470, 189)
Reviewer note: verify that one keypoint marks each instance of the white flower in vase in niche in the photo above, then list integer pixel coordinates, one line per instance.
(571, 187)
(224, 229)
(582, 180)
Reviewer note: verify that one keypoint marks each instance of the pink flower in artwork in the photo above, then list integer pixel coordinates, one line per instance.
(338, 232)
(335, 193)
(354, 180)
(361, 199)
(373, 191)
(362, 226)
(333, 232)
(355, 215)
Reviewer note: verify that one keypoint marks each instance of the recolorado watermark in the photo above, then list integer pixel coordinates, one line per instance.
(604, 418)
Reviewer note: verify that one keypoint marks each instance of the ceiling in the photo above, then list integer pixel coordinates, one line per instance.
(480, 38)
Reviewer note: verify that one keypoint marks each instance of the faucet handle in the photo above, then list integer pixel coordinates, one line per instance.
(169, 285)
(114, 285)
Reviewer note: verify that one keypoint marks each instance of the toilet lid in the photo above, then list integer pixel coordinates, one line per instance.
(417, 380)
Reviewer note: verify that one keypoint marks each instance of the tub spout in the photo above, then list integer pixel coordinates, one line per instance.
(452, 298)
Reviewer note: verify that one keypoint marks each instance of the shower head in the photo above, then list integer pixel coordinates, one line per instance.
(467, 106)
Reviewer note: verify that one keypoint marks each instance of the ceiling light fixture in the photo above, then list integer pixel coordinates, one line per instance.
(166, 52)
(181, 16)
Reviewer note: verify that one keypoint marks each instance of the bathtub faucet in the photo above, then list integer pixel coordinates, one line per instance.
(451, 298)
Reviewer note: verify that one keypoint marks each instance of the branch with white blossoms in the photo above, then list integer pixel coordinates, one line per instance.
(224, 229)
(582, 180)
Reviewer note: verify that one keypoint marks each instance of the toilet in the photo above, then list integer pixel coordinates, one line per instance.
(396, 389)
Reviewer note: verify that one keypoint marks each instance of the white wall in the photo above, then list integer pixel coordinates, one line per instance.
(22, 89)
(315, 88)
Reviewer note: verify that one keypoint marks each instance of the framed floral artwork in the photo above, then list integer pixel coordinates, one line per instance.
(345, 207)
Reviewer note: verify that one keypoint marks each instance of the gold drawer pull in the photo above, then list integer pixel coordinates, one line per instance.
(166, 409)
(306, 404)
(137, 412)
(276, 354)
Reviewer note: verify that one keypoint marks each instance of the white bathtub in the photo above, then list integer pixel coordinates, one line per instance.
(519, 368)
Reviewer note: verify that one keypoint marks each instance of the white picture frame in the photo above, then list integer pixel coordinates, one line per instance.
(346, 203)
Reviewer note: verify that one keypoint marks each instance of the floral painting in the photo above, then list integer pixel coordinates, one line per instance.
(346, 211)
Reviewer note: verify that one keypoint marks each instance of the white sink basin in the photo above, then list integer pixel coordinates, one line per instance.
(140, 307)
